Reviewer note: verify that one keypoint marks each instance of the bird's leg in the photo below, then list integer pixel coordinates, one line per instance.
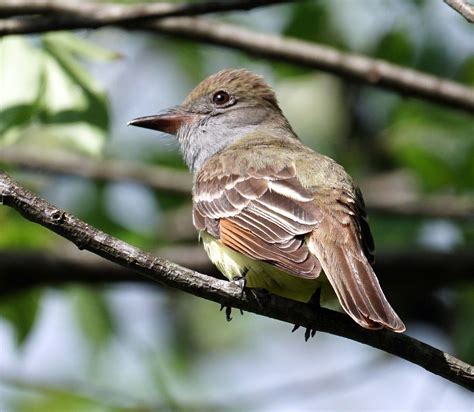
(228, 311)
(240, 281)
(315, 303)
(315, 300)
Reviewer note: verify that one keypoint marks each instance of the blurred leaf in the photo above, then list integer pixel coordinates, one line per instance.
(396, 47)
(463, 333)
(58, 103)
(62, 402)
(436, 57)
(466, 73)
(312, 21)
(21, 311)
(435, 143)
(82, 48)
(392, 232)
(96, 108)
(93, 314)
(189, 57)
(16, 232)
(20, 71)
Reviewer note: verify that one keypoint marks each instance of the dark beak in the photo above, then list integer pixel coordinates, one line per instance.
(167, 122)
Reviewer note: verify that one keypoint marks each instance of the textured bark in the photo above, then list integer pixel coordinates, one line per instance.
(464, 8)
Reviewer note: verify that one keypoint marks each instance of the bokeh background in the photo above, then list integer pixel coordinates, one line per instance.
(83, 346)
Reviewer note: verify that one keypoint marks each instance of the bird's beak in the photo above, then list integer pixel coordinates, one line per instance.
(168, 121)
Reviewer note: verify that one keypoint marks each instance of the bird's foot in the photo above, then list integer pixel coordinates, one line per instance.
(228, 312)
(240, 281)
(315, 303)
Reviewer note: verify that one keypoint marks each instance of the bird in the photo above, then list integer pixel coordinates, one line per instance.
(271, 212)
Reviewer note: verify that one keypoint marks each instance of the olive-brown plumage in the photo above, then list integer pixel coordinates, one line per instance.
(269, 208)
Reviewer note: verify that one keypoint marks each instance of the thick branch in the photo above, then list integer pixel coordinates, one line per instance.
(464, 8)
(91, 15)
(350, 66)
(381, 197)
(87, 237)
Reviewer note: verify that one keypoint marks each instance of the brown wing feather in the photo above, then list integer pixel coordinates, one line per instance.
(338, 244)
(299, 262)
(263, 214)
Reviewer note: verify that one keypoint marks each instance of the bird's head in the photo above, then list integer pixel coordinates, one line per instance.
(222, 109)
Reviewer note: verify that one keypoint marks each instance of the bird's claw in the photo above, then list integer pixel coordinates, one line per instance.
(228, 312)
(315, 303)
(309, 333)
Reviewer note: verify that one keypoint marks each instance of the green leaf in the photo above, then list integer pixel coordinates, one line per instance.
(466, 73)
(81, 48)
(437, 144)
(396, 47)
(20, 71)
(93, 315)
(312, 21)
(17, 232)
(51, 100)
(56, 401)
(21, 311)
(95, 109)
(463, 331)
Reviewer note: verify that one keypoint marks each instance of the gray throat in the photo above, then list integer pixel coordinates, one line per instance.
(202, 140)
(199, 144)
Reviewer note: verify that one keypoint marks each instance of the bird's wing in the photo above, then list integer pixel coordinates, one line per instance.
(268, 215)
(263, 213)
(344, 247)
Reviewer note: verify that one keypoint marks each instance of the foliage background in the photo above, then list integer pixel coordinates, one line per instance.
(136, 347)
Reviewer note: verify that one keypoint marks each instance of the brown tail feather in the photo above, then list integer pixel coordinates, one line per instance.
(356, 286)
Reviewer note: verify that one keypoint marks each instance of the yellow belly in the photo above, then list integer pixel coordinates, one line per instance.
(266, 276)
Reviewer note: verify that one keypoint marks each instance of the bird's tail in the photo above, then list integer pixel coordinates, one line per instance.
(356, 284)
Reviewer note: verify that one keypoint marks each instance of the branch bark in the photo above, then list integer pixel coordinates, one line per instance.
(464, 8)
(93, 15)
(350, 66)
(381, 198)
(85, 236)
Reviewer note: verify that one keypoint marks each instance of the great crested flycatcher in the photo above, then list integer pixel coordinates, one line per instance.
(271, 212)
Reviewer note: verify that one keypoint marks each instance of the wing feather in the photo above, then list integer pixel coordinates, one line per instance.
(263, 214)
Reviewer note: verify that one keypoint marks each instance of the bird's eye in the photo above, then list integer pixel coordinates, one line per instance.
(220, 98)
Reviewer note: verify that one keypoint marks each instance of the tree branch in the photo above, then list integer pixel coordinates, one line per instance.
(91, 15)
(464, 8)
(346, 65)
(381, 198)
(160, 270)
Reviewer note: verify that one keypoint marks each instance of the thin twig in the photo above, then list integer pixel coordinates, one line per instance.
(175, 181)
(350, 66)
(165, 272)
(464, 8)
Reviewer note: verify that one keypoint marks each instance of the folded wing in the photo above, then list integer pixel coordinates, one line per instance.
(264, 214)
